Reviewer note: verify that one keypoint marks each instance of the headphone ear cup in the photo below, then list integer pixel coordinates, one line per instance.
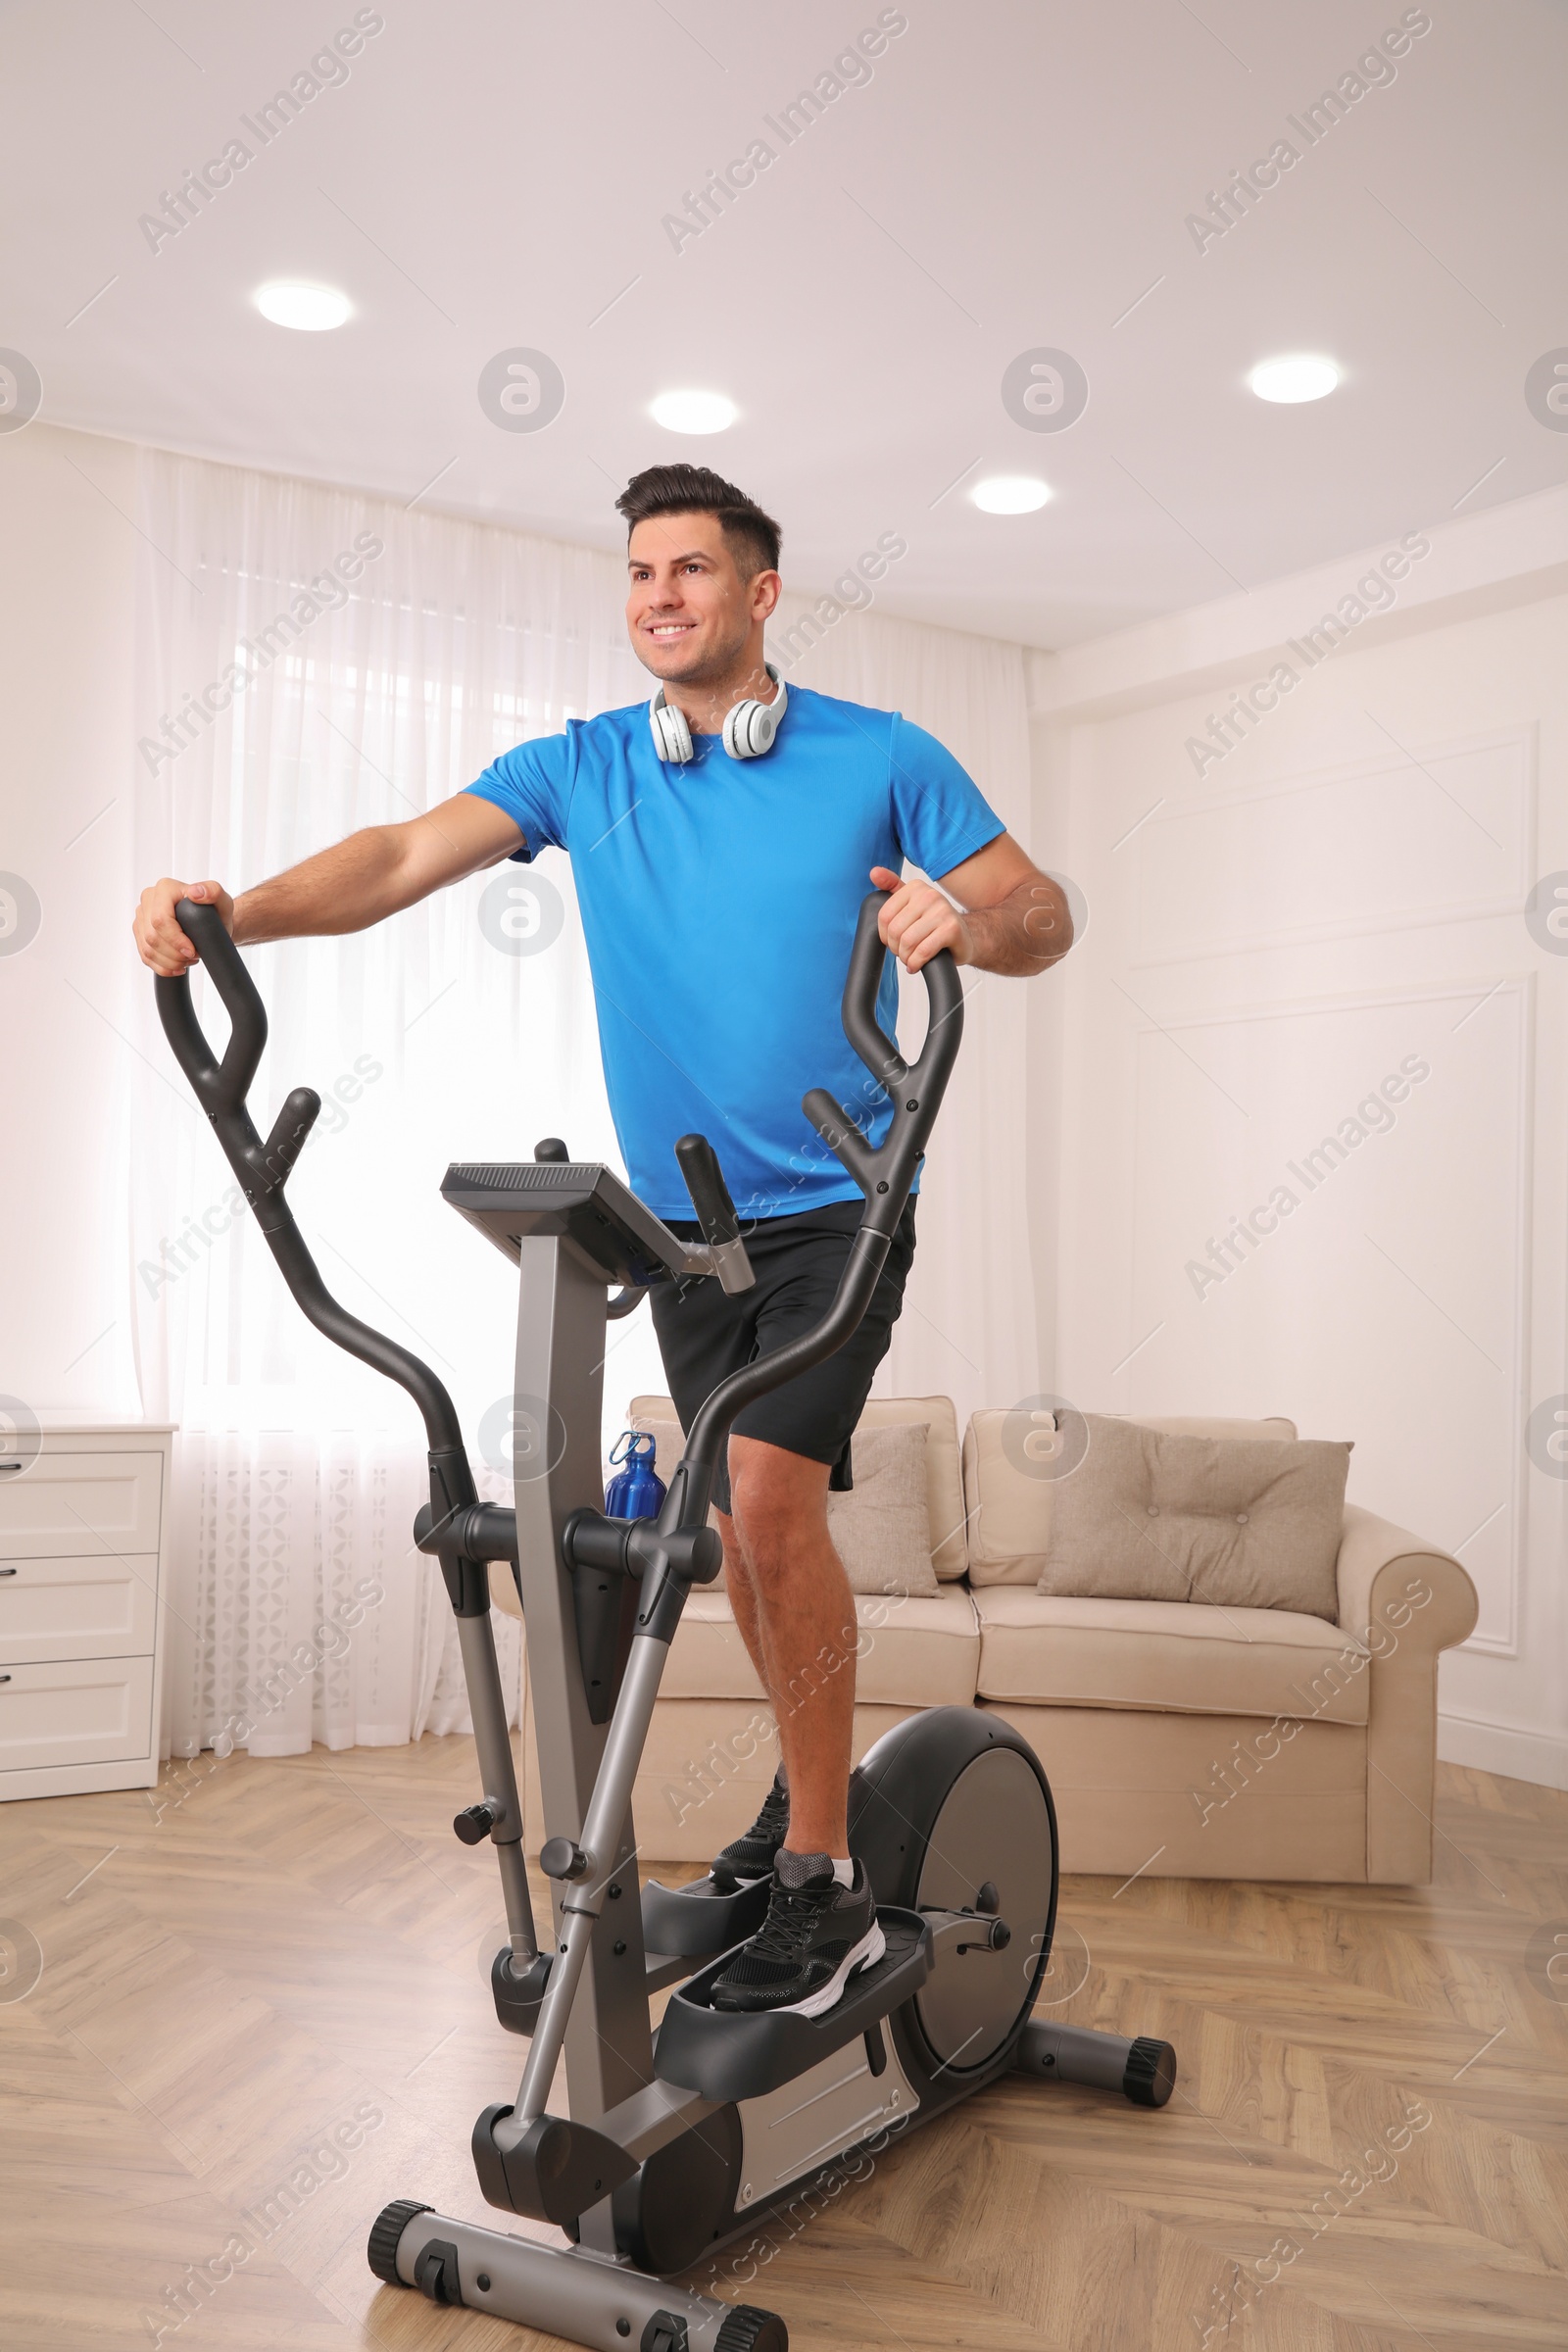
(736, 731)
(749, 728)
(673, 737)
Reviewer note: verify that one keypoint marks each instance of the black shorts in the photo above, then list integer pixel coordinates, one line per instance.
(703, 1333)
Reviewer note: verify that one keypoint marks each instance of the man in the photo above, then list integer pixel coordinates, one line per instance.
(719, 880)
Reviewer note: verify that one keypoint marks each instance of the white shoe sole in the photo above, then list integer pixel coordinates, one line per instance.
(866, 1954)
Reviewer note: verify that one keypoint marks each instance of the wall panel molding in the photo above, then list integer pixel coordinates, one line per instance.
(1167, 852)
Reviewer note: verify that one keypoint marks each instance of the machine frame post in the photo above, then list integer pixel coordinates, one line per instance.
(560, 1387)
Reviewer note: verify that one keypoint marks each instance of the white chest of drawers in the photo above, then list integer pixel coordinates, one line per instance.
(83, 1568)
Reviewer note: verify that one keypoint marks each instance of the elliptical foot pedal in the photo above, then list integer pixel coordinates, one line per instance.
(692, 1922)
(740, 2054)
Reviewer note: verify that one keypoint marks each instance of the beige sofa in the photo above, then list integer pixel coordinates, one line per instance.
(1180, 1741)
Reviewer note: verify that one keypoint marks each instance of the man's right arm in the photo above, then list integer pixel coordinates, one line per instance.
(359, 882)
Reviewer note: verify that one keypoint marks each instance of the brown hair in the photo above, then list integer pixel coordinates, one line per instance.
(753, 537)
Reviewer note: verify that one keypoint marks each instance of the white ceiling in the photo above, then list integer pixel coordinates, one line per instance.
(1014, 176)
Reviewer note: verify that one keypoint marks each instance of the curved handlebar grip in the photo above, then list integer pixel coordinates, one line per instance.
(944, 992)
(262, 1171)
(862, 988)
(884, 1173)
(915, 1089)
(704, 1181)
(219, 1086)
(868, 959)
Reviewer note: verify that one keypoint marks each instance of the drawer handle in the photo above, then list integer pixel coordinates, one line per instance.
(5, 1678)
(7, 1572)
(10, 1465)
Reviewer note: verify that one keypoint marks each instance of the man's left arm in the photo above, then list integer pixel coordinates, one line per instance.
(1009, 917)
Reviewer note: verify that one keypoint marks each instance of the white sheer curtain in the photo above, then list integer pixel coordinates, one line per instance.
(387, 657)
(428, 1039)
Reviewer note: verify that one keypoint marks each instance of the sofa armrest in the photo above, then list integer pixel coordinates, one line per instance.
(1391, 1579)
(1406, 1602)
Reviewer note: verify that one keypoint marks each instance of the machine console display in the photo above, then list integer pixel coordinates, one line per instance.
(582, 1200)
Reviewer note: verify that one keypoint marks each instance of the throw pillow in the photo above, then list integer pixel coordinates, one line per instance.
(881, 1528)
(1148, 1516)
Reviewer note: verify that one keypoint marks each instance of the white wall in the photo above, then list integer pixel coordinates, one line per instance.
(1336, 901)
(66, 648)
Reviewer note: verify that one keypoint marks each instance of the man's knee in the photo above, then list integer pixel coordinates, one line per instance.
(738, 1574)
(779, 1502)
(730, 1534)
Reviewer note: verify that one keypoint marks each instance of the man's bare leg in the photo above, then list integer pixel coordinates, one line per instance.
(796, 1615)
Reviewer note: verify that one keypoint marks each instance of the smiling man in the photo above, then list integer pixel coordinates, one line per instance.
(722, 838)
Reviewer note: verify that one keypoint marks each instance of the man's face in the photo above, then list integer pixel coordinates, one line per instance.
(688, 611)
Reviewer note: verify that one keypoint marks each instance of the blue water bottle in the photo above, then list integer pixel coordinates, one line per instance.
(636, 1491)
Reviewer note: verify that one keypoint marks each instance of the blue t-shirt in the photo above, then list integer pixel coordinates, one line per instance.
(719, 903)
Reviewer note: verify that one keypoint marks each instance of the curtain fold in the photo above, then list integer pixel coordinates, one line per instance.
(309, 662)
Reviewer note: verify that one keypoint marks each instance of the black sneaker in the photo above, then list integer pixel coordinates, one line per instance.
(815, 1937)
(750, 1858)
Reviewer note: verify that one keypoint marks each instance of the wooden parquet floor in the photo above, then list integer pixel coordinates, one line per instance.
(262, 2012)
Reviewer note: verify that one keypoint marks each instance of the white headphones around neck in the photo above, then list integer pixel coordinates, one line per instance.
(748, 728)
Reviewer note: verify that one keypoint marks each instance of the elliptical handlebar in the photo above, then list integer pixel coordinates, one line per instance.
(263, 1170)
(220, 1087)
(884, 1173)
(915, 1091)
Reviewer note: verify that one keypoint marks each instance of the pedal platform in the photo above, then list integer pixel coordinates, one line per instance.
(729, 2054)
(696, 1921)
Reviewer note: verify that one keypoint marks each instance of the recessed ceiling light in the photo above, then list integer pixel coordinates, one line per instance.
(1294, 380)
(693, 412)
(311, 308)
(1009, 494)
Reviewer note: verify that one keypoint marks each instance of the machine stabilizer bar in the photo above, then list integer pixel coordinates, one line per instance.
(572, 2292)
(1141, 2068)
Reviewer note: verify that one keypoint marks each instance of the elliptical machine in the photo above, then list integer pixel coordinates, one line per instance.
(674, 2139)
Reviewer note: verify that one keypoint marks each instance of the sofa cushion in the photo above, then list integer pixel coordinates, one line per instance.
(1009, 1490)
(1046, 1649)
(944, 1480)
(1147, 1515)
(881, 1528)
(913, 1653)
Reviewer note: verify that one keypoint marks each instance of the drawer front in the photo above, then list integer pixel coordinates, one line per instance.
(98, 1712)
(94, 1608)
(66, 1505)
